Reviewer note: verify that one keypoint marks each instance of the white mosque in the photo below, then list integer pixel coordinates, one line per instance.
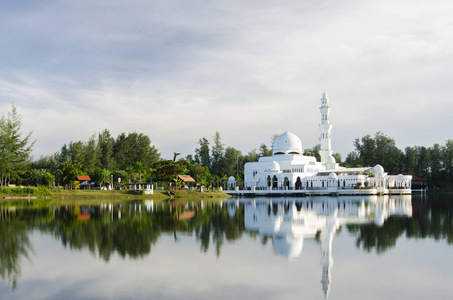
(288, 171)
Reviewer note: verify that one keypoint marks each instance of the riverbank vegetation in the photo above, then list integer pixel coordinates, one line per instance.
(131, 158)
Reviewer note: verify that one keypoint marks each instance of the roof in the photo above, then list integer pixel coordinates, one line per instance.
(346, 170)
(416, 179)
(186, 178)
(83, 178)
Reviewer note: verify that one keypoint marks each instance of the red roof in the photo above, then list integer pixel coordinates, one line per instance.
(416, 179)
(83, 178)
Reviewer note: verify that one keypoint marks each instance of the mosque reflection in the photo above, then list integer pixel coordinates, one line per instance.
(288, 221)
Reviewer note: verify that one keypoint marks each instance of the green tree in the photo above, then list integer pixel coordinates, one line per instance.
(217, 155)
(230, 164)
(14, 150)
(202, 155)
(91, 156)
(69, 173)
(106, 142)
(133, 148)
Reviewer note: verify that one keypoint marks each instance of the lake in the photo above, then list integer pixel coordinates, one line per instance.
(380, 247)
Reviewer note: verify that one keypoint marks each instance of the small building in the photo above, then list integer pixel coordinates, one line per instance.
(188, 180)
(84, 181)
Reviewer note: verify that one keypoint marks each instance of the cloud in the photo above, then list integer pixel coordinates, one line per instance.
(179, 71)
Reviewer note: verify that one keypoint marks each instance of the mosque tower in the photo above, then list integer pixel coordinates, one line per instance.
(325, 127)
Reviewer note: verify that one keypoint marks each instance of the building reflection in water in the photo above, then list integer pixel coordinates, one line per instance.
(289, 220)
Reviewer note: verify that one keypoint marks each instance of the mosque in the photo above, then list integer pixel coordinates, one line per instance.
(289, 171)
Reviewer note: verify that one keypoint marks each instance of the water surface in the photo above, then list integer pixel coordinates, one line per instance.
(263, 248)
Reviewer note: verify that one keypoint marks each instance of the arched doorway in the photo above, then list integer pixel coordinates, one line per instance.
(274, 182)
(269, 182)
(286, 182)
(298, 184)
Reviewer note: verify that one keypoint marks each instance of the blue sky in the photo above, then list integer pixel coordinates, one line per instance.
(181, 70)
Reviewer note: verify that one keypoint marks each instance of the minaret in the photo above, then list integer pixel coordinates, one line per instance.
(325, 128)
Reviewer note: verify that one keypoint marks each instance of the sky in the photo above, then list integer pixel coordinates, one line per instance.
(179, 71)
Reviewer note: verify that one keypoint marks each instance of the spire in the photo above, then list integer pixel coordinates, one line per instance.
(325, 128)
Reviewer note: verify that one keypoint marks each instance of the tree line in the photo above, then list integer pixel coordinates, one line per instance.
(132, 158)
(434, 163)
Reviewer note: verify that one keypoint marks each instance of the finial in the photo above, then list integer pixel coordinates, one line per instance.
(324, 95)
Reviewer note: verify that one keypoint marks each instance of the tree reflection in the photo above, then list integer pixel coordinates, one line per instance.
(430, 219)
(14, 246)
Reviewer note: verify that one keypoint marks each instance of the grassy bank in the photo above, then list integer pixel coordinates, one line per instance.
(93, 195)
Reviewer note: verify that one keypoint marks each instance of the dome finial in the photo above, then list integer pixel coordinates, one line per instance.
(324, 95)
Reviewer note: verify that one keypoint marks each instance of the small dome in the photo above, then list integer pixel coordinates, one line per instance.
(274, 166)
(378, 169)
(380, 175)
(400, 176)
(287, 143)
(231, 179)
(333, 176)
(331, 160)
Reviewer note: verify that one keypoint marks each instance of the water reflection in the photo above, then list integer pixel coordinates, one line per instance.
(133, 229)
(288, 221)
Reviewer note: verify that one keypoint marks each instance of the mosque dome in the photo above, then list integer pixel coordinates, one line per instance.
(287, 143)
(331, 159)
(378, 169)
(231, 179)
(333, 176)
(274, 166)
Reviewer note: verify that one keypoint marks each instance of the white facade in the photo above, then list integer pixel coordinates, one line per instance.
(289, 170)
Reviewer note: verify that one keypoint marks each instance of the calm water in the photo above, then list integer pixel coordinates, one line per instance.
(264, 248)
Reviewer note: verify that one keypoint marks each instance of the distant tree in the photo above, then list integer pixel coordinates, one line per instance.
(36, 176)
(217, 155)
(202, 155)
(353, 160)
(14, 150)
(230, 163)
(314, 151)
(132, 148)
(409, 160)
(199, 173)
(264, 151)
(379, 150)
(106, 142)
(69, 172)
(102, 176)
(91, 156)
(252, 156)
(168, 170)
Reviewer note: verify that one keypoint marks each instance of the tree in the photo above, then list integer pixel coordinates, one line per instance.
(69, 173)
(168, 170)
(230, 164)
(199, 173)
(202, 155)
(133, 148)
(106, 142)
(379, 150)
(101, 176)
(217, 155)
(264, 151)
(353, 160)
(91, 156)
(14, 150)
